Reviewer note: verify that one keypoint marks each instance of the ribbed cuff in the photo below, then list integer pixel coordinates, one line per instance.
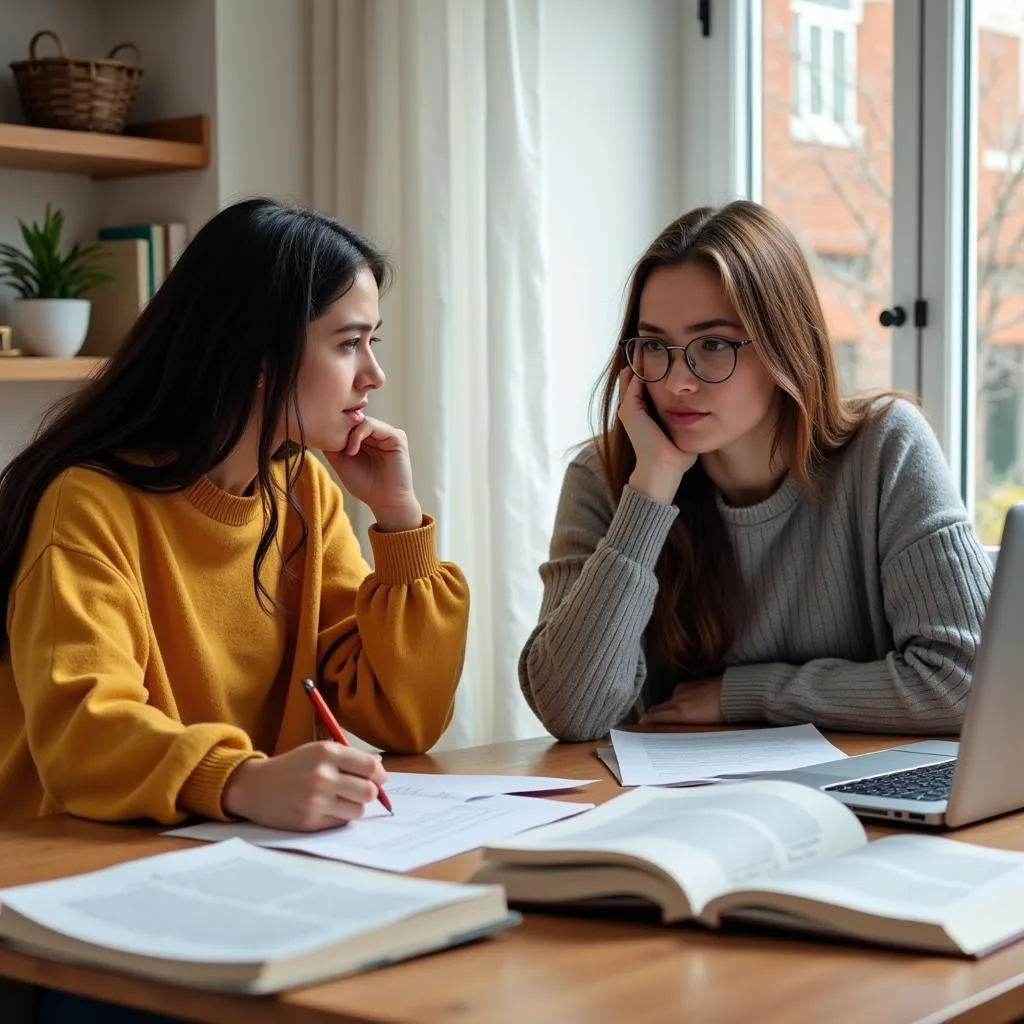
(743, 692)
(405, 556)
(639, 527)
(201, 794)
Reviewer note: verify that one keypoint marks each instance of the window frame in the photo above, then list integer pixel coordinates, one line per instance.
(1003, 23)
(825, 128)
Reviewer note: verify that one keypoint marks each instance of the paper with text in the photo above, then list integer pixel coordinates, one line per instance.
(606, 755)
(422, 830)
(471, 787)
(665, 759)
(919, 877)
(226, 903)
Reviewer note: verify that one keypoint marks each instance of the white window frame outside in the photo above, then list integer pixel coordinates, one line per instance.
(825, 128)
(1006, 19)
(1001, 16)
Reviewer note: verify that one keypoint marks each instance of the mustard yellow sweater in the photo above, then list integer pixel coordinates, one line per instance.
(141, 669)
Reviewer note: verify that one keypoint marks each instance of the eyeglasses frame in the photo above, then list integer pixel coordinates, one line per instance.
(734, 345)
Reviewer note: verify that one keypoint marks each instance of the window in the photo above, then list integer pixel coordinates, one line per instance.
(994, 341)
(826, 71)
(838, 200)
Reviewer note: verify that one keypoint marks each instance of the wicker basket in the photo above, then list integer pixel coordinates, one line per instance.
(69, 92)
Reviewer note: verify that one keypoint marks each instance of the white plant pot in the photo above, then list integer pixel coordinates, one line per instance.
(51, 327)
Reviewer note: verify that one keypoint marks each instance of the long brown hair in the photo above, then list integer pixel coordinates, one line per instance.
(766, 278)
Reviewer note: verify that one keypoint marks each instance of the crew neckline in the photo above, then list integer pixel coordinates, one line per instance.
(230, 509)
(781, 500)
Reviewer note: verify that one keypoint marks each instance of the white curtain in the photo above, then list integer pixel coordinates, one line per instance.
(428, 138)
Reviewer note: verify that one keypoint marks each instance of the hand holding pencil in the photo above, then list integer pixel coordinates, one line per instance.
(316, 786)
(334, 729)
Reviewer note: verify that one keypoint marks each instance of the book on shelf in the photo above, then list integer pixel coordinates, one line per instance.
(117, 304)
(138, 257)
(772, 854)
(231, 916)
(165, 243)
(153, 236)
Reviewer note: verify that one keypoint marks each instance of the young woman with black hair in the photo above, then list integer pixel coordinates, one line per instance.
(174, 562)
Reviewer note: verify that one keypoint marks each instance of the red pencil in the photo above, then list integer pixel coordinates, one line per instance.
(335, 730)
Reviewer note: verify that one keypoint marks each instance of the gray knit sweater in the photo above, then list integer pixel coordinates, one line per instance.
(864, 605)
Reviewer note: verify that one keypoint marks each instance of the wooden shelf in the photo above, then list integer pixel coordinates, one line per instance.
(181, 144)
(36, 368)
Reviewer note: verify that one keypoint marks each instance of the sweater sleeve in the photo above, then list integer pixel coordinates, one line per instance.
(583, 666)
(78, 647)
(936, 579)
(393, 640)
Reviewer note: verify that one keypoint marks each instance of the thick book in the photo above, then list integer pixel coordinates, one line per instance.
(767, 853)
(233, 917)
(117, 304)
(155, 237)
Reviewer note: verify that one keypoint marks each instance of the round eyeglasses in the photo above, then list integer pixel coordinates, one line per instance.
(711, 359)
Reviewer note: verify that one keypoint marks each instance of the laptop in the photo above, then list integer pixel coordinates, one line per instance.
(942, 782)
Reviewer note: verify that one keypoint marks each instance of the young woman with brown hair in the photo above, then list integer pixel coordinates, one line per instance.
(740, 543)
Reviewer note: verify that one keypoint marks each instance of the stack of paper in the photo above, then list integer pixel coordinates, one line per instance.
(694, 758)
(436, 816)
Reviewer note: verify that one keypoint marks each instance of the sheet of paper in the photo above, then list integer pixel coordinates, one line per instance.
(470, 787)
(227, 903)
(665, 759)
(606, 755)
(422, 830)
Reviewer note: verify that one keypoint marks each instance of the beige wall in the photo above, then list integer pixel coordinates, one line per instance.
(263, 99)
(24, 194)
(243, 62)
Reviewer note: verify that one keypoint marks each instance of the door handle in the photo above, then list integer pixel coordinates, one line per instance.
(895, 317)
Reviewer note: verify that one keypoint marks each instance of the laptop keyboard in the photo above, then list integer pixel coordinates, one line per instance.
(929, 782)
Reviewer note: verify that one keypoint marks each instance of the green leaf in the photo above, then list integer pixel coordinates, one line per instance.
(39, 271)
(23, 275)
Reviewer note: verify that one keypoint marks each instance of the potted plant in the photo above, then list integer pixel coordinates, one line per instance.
(50, 317)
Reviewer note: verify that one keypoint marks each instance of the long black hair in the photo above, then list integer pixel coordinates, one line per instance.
(185, 381)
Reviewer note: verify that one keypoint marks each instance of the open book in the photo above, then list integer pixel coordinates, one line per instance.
(234, 917)
(770, 853)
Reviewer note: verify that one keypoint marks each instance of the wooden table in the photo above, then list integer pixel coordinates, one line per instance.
(550, 968)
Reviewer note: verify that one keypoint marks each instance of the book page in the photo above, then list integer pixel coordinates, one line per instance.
(422, 830)
(225, 903)
(667, 759)
(708, 840)
(919, 878)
